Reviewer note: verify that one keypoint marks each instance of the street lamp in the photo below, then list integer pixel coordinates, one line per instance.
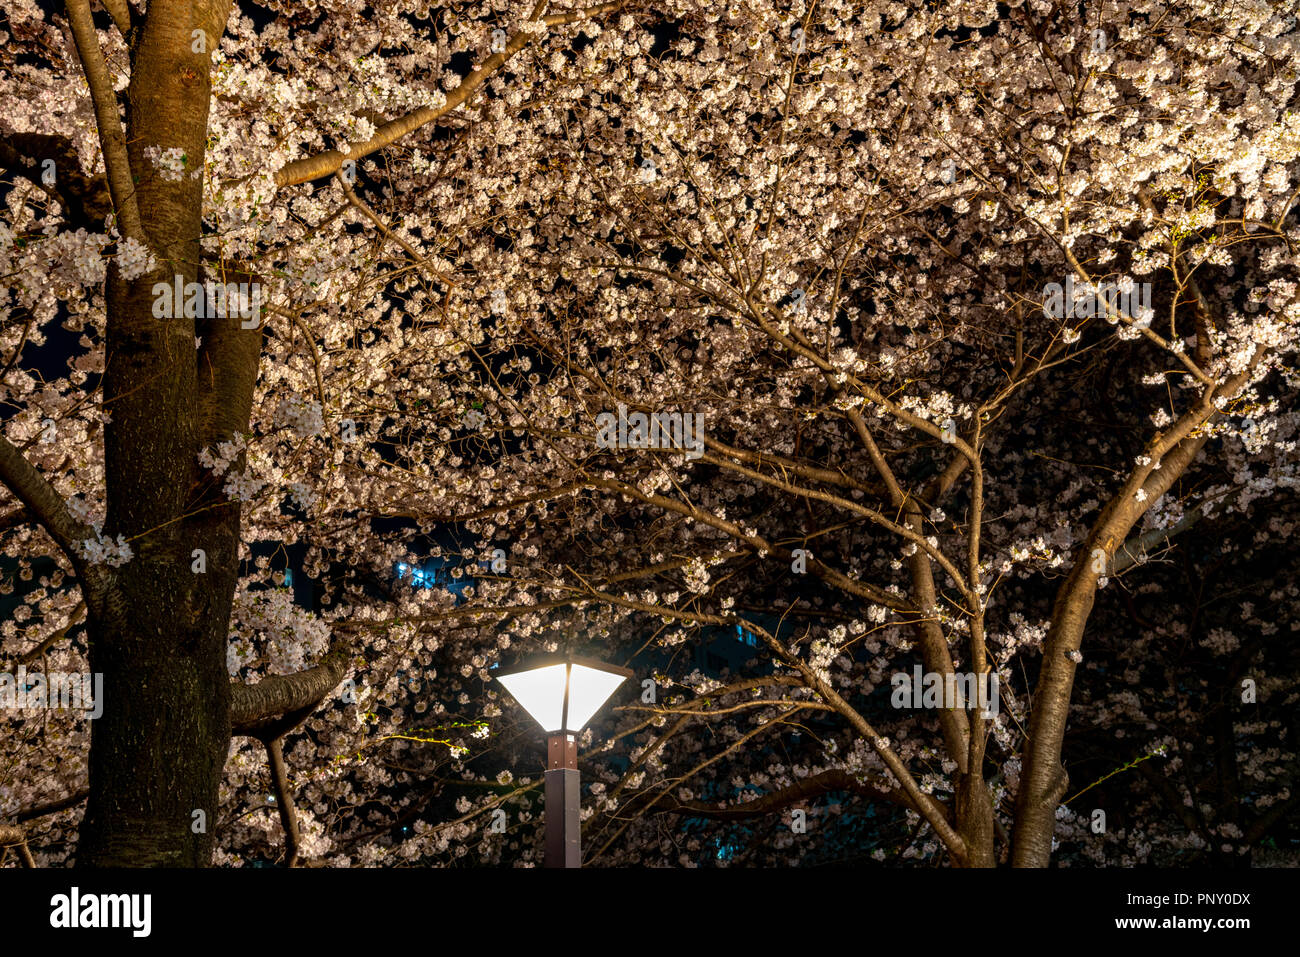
(562, 693)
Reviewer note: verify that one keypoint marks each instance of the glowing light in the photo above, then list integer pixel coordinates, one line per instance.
(563, 693)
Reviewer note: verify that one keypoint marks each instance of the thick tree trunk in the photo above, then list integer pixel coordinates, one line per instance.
(160, 636)
(159, 632)
(157, 751)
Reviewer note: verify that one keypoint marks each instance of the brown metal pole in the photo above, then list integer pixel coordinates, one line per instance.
(563, 803)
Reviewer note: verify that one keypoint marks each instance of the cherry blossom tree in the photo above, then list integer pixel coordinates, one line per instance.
(835, 235)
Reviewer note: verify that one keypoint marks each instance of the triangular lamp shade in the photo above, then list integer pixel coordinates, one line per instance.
(541, 692)
(563, 694)
(588, 690)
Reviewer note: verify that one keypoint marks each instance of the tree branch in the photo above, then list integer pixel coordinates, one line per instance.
(121, 14)
(31, 488)
(74, 621)
(85, 199)
(112, 138)
(284, 801)
(1135, 549)
(331, 161)
(53, 807)
(11, 836)
(805, 789)
(255, 708)
(15, 518)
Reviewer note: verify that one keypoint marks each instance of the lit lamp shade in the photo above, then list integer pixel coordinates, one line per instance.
(563, 693)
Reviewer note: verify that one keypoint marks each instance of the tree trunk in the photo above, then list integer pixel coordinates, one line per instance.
(159, 632)
(1043, 780)
(975, 820)
(157, 752)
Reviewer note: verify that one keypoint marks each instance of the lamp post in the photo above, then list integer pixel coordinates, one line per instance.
(562, 693)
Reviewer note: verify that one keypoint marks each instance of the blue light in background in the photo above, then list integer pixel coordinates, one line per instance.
(434, 573)
(418, 577)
